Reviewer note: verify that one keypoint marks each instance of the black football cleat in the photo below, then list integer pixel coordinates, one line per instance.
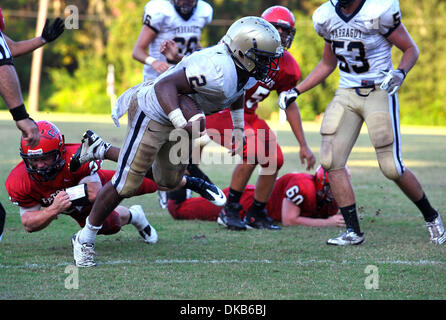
(259, 221)
(229, 217)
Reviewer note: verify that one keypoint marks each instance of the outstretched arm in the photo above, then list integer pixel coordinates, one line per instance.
(50, 33)
(291, 215)
(322, 70)
(295, 121)
(23, 47)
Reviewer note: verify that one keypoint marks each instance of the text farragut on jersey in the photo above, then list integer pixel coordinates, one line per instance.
(346, 33)
(186, 29)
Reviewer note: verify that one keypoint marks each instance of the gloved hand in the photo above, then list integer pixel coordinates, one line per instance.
(287, 97)
(53, 31)
(393, 80)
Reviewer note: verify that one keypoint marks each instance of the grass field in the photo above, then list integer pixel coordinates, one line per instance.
(201, 260)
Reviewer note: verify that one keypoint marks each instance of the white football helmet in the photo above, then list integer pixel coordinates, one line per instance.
(255, 46)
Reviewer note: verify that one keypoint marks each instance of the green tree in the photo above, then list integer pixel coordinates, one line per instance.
(75, 66)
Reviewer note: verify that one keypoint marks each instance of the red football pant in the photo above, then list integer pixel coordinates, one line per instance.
(112, 224)
(261, 143)
(201, 209)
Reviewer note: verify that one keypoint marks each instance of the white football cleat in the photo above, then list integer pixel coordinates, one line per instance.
(83, 253)
(139, 220)
(92, 148)
(349, 237)
(436, 230)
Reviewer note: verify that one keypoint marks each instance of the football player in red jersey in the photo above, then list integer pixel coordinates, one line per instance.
(10, 89)
(43, 186)
(261, 144)
(297, 199)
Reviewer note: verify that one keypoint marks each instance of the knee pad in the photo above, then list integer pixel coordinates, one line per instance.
(329, 127)
(387, 163)
(380, 129)
(381, 135)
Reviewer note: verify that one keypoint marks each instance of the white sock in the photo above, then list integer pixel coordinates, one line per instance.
(139, 220)
(88, 233)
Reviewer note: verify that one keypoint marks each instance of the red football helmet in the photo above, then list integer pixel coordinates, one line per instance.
(281, 17)
(323, 191)
(44, 161)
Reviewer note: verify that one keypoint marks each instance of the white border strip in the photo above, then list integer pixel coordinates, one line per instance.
(232, 261)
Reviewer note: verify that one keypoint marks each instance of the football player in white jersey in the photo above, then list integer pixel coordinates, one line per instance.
(215, 78)
(359, 36)
(179, 20)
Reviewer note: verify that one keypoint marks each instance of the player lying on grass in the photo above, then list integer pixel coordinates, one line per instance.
(297, 199)
(43, 186)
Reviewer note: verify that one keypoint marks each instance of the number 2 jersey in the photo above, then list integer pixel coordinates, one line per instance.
(212, 74)
(161, 16)
(359, 40)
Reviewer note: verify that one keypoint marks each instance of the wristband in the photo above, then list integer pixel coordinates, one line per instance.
(19, 113)
(149, 60)
(297, 91)
(177, 118)
(403, 72)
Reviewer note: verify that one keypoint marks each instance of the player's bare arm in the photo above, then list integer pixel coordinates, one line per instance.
(403, 41)
(295, 121)
(19, 48)
(323, 69)
(50, 33)
(36, 220)
(291, 215)
(139, 53)
(168, 89)
(10, 92)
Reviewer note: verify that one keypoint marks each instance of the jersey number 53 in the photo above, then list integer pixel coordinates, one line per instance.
(363, 64)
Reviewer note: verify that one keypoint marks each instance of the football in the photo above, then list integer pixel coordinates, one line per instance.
(191, 111)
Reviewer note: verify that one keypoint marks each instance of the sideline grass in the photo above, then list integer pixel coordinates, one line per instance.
(201, 260)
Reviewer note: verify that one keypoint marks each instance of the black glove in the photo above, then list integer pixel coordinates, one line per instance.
(53, 31)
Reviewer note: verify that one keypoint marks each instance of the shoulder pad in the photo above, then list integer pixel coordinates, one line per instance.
(374, 9)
